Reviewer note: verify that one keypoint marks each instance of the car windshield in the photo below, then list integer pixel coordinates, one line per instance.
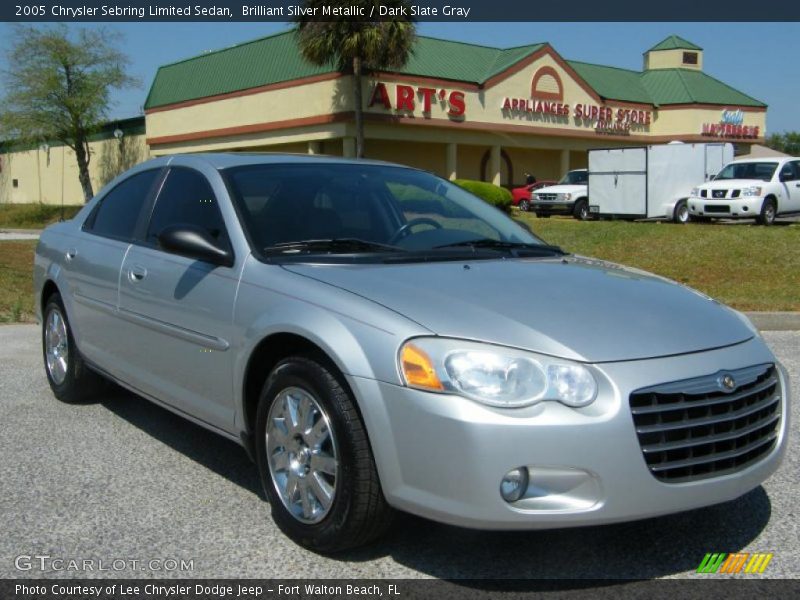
(748, 170)
(347, 208)
(574, 178)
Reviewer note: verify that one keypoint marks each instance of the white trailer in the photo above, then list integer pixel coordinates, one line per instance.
(651, 182)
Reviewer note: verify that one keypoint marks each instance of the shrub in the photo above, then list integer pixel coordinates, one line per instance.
(493, 194)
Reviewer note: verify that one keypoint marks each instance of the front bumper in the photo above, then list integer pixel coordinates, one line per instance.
(552, 208)
(747, 207)
(443, 457)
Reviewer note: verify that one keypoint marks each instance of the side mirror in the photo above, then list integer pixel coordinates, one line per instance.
(194, 242)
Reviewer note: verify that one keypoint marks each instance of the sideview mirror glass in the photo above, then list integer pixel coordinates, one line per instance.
(194, 242)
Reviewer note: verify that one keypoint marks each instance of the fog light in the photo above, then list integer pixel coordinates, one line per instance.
(745, 209)
(514, 484)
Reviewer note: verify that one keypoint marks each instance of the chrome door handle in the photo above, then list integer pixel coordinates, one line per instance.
(136, 273)
(70, 254)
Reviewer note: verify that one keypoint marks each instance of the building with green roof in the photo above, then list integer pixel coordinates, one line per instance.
(458, 109)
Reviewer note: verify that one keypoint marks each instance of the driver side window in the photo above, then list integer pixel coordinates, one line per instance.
(186, 198)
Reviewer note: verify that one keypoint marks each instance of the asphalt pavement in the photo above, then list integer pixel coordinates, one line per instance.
(122, 480)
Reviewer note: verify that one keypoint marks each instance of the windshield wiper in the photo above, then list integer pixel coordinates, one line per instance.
(333, 245)
(540, 249)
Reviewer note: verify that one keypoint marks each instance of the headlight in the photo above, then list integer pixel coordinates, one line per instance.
(564, 196)
(494, 375)
(695, 192)
(752, 191)
(536, 196)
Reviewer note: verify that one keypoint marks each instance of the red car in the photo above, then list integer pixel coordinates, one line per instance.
(521, 196)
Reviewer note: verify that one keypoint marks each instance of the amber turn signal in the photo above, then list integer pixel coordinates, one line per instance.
(418, 369)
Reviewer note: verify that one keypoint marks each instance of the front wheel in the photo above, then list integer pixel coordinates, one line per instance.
(768, 212)
(581, 210)
(525, 205)
(681, 214)
(315, 460)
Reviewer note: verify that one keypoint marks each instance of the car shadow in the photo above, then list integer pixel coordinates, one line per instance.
(644, 549)
(218, 454)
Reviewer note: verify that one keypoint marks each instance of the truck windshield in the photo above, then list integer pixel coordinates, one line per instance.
(574, 178)
(748, 170)
(346, 208)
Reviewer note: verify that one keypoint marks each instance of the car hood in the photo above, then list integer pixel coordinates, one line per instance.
(561, 189)
(574, 308)
(732, 184)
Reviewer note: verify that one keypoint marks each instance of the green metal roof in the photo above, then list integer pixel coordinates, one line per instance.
(612, 82)
(688, 86)
(276, 59)
(675, 42)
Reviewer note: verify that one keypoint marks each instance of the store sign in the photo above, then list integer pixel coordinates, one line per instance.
(731, 125)
(604, 119)
(406, 99)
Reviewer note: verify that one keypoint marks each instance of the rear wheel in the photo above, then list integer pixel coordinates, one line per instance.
(681, 214)
(768, 212)
(525, 205)
(69, 377)
(581, 210)
(315, 461)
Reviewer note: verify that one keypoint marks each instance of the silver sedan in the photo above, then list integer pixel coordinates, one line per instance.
(379, 339)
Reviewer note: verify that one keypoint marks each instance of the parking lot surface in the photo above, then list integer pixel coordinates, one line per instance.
(124, 479)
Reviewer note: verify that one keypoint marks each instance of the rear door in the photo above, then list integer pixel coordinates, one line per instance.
(178, 311)
(618, 181)
(93, 263)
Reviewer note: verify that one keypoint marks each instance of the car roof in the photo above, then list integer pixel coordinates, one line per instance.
(224, 160)
(772, 159)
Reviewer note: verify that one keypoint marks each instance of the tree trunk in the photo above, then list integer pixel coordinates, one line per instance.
(359, 107)
(82, 157)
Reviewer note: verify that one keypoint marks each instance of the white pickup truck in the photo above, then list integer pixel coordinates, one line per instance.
(570, 196)
(760, 188)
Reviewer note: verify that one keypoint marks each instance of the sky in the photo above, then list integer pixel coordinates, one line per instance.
(759, 59)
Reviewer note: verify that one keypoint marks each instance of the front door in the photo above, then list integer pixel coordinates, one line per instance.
(179, 310)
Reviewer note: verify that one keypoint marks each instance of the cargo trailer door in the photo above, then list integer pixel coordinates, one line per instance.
(618, 182)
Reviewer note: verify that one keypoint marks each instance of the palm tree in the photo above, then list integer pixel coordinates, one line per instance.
(357, 46)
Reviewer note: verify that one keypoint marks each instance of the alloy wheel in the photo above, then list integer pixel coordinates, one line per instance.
(56, 346)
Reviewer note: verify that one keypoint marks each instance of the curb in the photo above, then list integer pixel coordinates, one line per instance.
(24, 231)
(775, 321)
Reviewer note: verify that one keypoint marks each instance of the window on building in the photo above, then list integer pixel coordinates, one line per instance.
(690, 58)
(118, 212)
(15, 183)
(187, 199)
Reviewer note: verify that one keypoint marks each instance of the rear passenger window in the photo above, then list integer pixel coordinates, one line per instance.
(187, 199)
(118, 211)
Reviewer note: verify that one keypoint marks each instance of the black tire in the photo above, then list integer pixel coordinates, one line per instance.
(542, 216)
(581, 210)
(358, 512)
(524, 205)
(768, 212)
(681, 214)
(80, 383)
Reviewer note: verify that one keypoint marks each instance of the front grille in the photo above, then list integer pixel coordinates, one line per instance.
(704, 193)
(695, 429)
(719, 193)
(547, 197)
(717, 208)
(735, 193)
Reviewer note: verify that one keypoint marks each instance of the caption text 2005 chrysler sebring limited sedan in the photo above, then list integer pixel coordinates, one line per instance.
(356, 327)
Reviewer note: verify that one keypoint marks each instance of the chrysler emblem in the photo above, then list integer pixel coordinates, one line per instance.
(727, 382)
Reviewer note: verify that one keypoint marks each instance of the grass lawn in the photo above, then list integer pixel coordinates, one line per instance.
(749, 267)
(16, 284)
(746, 266)
(33, 216)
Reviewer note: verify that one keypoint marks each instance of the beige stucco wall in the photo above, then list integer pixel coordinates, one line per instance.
(51, 177)
(671, 59)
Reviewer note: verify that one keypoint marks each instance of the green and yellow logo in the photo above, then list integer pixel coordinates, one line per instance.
(738, 562)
